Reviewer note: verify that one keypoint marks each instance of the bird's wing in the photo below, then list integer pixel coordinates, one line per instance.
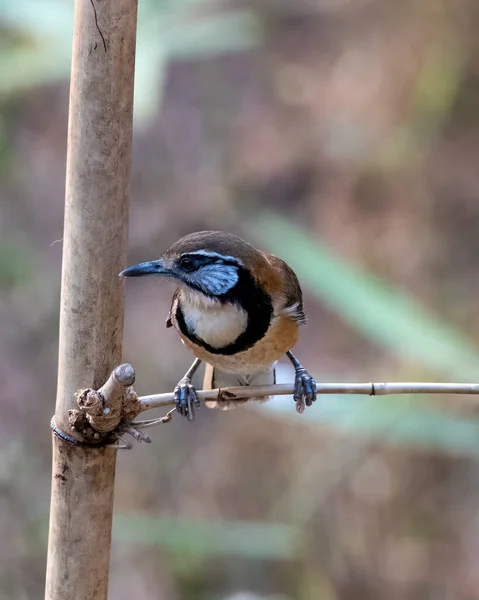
(169, 321)
(292, 295)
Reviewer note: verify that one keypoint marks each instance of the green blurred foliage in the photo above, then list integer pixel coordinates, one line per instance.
(187, 539)
(16, 265)
(378, 311)
(38, 47)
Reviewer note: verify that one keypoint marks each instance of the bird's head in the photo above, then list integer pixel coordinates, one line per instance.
(208, 262)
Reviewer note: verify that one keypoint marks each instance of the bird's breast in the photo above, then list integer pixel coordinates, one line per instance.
(229, 337)
(281, 336)
(217, 325)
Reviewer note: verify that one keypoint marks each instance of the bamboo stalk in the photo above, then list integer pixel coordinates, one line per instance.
(286, 389)
(91, 314)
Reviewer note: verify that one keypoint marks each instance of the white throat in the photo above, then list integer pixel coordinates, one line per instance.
(215, 323)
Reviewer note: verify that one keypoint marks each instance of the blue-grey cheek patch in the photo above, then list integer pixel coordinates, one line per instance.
(215, 279)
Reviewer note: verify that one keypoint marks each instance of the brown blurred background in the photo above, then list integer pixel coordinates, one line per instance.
(344, 136)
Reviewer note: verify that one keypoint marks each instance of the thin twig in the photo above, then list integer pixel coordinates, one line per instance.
(369, 389)
(152, 422)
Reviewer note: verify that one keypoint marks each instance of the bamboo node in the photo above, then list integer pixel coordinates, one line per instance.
(111, 407)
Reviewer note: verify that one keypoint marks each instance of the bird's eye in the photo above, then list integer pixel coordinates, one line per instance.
(187, 264)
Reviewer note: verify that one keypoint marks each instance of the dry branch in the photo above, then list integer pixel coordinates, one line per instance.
(101, 411)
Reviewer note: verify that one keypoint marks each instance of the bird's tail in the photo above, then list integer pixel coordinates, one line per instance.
(218, 379)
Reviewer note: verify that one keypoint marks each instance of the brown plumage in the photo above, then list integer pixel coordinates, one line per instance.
(236, 308)
(270, 272)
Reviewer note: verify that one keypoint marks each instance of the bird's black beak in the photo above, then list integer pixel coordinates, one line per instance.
(153, 267)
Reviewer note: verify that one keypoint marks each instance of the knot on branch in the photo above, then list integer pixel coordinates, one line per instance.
(102, 411)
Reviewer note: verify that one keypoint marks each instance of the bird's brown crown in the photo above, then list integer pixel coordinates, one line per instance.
(225, 244)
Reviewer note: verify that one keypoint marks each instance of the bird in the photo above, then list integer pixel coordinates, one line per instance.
(235, 307)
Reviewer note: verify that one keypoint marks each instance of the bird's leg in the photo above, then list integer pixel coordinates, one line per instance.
(185, 393)
(304, 384)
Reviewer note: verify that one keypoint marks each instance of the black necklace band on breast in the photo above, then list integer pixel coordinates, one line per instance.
(256, 304)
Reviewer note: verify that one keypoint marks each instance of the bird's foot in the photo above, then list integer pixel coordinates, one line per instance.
(304, 385)
(186, 398)
(304, 389)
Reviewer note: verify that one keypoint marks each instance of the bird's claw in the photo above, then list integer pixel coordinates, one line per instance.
(304, 390)
(186, 399)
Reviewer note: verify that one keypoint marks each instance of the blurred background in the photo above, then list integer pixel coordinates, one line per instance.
(344, 136)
